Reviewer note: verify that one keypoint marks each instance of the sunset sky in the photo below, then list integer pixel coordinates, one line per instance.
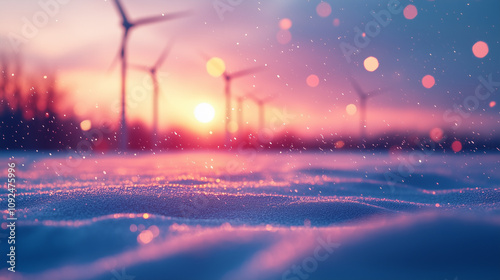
(80, 41)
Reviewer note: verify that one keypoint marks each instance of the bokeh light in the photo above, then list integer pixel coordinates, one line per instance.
(284, 37)
(428, 81)
(339, 144)
(216, 67)
(312, 80)
(456, 146)
(410, 12)
(133, 228)
(86, 125)
(323, 9)
(285, 23)
(371, 63)
(154, 230)
(336, 22)
(145, 216)
(436, 134)
(492, 104)
(351, 109)
(145, 237)
(480, 49)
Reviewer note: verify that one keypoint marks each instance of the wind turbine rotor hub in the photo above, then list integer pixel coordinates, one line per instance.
(127, 25)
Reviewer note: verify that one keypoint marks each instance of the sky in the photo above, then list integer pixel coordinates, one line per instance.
(78, 41)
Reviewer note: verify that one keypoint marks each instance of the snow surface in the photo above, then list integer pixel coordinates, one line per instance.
(256, 216)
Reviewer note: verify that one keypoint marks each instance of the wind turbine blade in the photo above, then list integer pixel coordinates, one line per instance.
(205, 56)
(246, 72)
(139, 67)
(119, 55)
(267, 99)
(250, 95)
(255, 99)
(163, 56)
(377, 92)
(357, 87)
(114, 62)
(121, 10)
(166, 17)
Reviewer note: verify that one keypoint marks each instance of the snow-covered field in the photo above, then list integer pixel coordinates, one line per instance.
(255, 216)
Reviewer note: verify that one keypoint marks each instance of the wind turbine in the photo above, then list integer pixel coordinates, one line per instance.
(127, 25)
(363, 98)
(153, 71)
(239, 100)
(240, 114)
(228, 77)
(262, 113)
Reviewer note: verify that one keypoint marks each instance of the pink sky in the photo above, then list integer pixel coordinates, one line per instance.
(81, 39)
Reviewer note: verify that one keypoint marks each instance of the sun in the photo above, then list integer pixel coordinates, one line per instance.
(204, 112)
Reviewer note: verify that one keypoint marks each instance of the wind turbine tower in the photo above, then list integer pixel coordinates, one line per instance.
(153, 71)
(128, 25)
